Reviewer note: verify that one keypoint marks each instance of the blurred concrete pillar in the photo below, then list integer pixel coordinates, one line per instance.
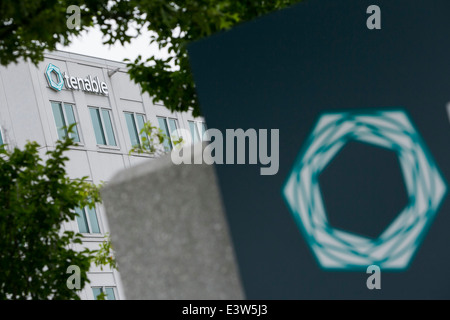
(170, 234)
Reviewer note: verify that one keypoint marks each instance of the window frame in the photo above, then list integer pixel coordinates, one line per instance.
(88, 221)
(168, 127)
(103, 289)
(135, 124)
(77, 120)
(113, 126)
(197, 124)
(2, 136)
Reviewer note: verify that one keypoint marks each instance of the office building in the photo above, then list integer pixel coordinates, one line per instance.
(38, 102)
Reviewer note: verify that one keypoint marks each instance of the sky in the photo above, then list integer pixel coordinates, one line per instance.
(90, 43)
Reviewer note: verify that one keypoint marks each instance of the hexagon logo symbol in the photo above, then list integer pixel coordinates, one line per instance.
(55, 85)
(426, 188)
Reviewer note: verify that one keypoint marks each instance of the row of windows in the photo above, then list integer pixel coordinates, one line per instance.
(64, 115)
(197, 129)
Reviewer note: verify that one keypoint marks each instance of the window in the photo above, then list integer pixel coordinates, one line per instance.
(65, 116)
(135, 123)
(168, 126)
(109, 292)
(87, 220)
(2, 142)
(103, 128)
(197, 128)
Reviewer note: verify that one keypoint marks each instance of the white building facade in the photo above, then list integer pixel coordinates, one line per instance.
(37, 102)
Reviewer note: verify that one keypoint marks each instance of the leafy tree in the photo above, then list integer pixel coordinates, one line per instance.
(36, 197)
(105, 255)
(28, 27)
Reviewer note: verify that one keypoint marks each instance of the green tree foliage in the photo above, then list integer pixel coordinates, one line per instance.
(105, 255)
(28, 27)
(36, 197)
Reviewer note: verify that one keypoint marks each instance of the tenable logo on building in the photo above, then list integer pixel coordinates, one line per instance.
(56, 80)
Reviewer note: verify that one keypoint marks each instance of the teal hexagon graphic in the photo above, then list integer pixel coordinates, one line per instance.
(426, 188)
(57, 86)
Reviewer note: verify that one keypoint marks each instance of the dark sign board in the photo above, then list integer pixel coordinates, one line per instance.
(359, 94)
